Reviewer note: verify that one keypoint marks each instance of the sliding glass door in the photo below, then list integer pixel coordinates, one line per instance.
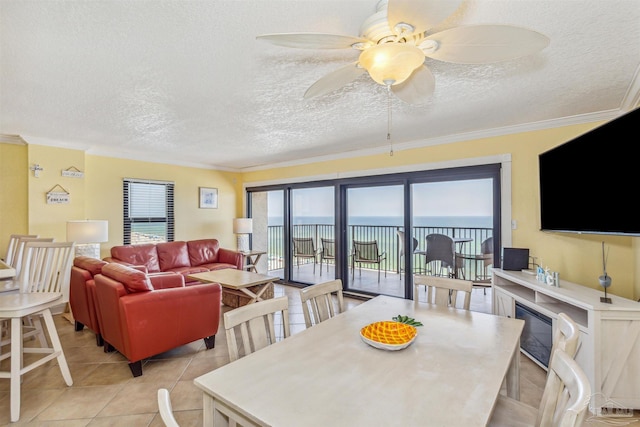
(359, 229)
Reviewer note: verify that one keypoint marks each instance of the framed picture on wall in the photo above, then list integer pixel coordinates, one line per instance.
(208, 198)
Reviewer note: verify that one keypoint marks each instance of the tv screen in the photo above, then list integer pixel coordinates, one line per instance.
(590, 183)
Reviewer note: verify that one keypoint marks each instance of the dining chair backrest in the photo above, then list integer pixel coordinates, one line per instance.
(318, 303)
(47, 267)
(566, 394)
(443, 290)
(566, 336)
(565, 399)
(19, 254)
(440, 247)
(255, 323)
(10, 257)
(165, 408)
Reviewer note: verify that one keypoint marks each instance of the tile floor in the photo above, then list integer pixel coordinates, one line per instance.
(105, 394)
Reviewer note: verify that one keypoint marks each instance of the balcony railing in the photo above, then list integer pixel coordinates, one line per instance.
(388, 242)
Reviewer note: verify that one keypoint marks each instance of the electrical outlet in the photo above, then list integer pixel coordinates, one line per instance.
(514, 224)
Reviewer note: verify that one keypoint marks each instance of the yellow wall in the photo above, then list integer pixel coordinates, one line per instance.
(13, 193)
(578, 258)
(104, 198)
(99, 196)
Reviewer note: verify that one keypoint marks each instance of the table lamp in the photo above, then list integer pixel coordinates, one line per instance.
(88, 234)
(243, 227)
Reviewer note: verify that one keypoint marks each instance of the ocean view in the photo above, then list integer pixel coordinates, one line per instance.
(420, 221)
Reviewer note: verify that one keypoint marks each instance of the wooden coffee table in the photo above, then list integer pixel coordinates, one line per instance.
(238, 280)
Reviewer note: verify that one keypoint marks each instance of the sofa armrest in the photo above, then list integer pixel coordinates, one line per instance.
(228, 256)
(111, 259)
(166, 280)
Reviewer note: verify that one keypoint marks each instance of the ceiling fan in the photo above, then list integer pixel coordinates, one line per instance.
(395, 41)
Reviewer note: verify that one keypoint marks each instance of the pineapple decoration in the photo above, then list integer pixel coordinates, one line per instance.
(406, 319)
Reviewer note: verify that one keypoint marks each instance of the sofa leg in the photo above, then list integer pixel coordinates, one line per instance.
(99, 340)
(108, 348)
(136, 368)
(78, 326)
(210, 342)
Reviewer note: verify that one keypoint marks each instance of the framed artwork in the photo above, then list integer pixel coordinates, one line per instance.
(208, 198)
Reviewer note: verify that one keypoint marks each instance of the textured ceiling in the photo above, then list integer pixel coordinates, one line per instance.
(186, 82)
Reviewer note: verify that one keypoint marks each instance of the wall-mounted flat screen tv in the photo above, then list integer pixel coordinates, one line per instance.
(591, 183)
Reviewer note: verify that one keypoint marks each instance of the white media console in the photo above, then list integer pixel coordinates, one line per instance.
(609, 349)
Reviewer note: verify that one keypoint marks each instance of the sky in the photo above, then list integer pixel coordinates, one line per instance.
(449, 198)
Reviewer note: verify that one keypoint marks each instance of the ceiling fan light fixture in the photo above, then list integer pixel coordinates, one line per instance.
(391, 62)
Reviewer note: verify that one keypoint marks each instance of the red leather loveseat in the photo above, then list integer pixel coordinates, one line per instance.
(193, 256)
(142, 315)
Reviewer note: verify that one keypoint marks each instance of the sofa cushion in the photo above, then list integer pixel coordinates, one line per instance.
(92, 265)
(133, 280)
(203, 251)
(145, 254)
(172, 255)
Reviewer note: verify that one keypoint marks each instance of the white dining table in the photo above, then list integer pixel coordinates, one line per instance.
(327, 375)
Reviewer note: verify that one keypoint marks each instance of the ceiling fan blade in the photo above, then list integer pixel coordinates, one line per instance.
(312, 40)
(421, 14)
(417, 88)
(482, 44)
(335, 80)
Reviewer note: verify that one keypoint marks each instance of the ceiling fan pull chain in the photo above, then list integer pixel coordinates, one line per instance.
(389, 119)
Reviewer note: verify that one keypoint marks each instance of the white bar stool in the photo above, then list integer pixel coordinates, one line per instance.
(14, 307)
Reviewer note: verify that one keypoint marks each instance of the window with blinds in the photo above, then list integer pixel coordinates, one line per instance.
(148, 211)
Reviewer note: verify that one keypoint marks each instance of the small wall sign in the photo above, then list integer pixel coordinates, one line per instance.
(73, 172)
(58, 197)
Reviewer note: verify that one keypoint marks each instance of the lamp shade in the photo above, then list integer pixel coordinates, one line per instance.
(242, 225)
(88, 231)
(391, 63)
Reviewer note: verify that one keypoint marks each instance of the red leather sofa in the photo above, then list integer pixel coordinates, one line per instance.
(82, 294)
(193, 256)
(142, 315)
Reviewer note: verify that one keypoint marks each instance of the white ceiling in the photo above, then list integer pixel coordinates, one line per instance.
(186, 82)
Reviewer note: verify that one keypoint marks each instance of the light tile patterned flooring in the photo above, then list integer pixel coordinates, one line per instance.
(105, 394)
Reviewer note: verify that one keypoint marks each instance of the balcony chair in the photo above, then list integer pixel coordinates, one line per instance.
(440, 254)
(256, 325)
(401, 244)
(564, 402)
(318, 303)
(443, 290)
(328, 252)
(305, 248)
(480, 262)
(367, 253)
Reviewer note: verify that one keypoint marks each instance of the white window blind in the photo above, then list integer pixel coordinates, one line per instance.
(148, 211)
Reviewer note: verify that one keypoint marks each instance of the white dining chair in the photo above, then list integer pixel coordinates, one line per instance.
(165, 408)
(443, 290)
(255, 323)
(564, 402)
(318, 303)
(46, 269)
(10, 256)
(44, 283)
(19, 251)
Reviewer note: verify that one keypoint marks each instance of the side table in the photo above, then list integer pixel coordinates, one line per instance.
(251, 259)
